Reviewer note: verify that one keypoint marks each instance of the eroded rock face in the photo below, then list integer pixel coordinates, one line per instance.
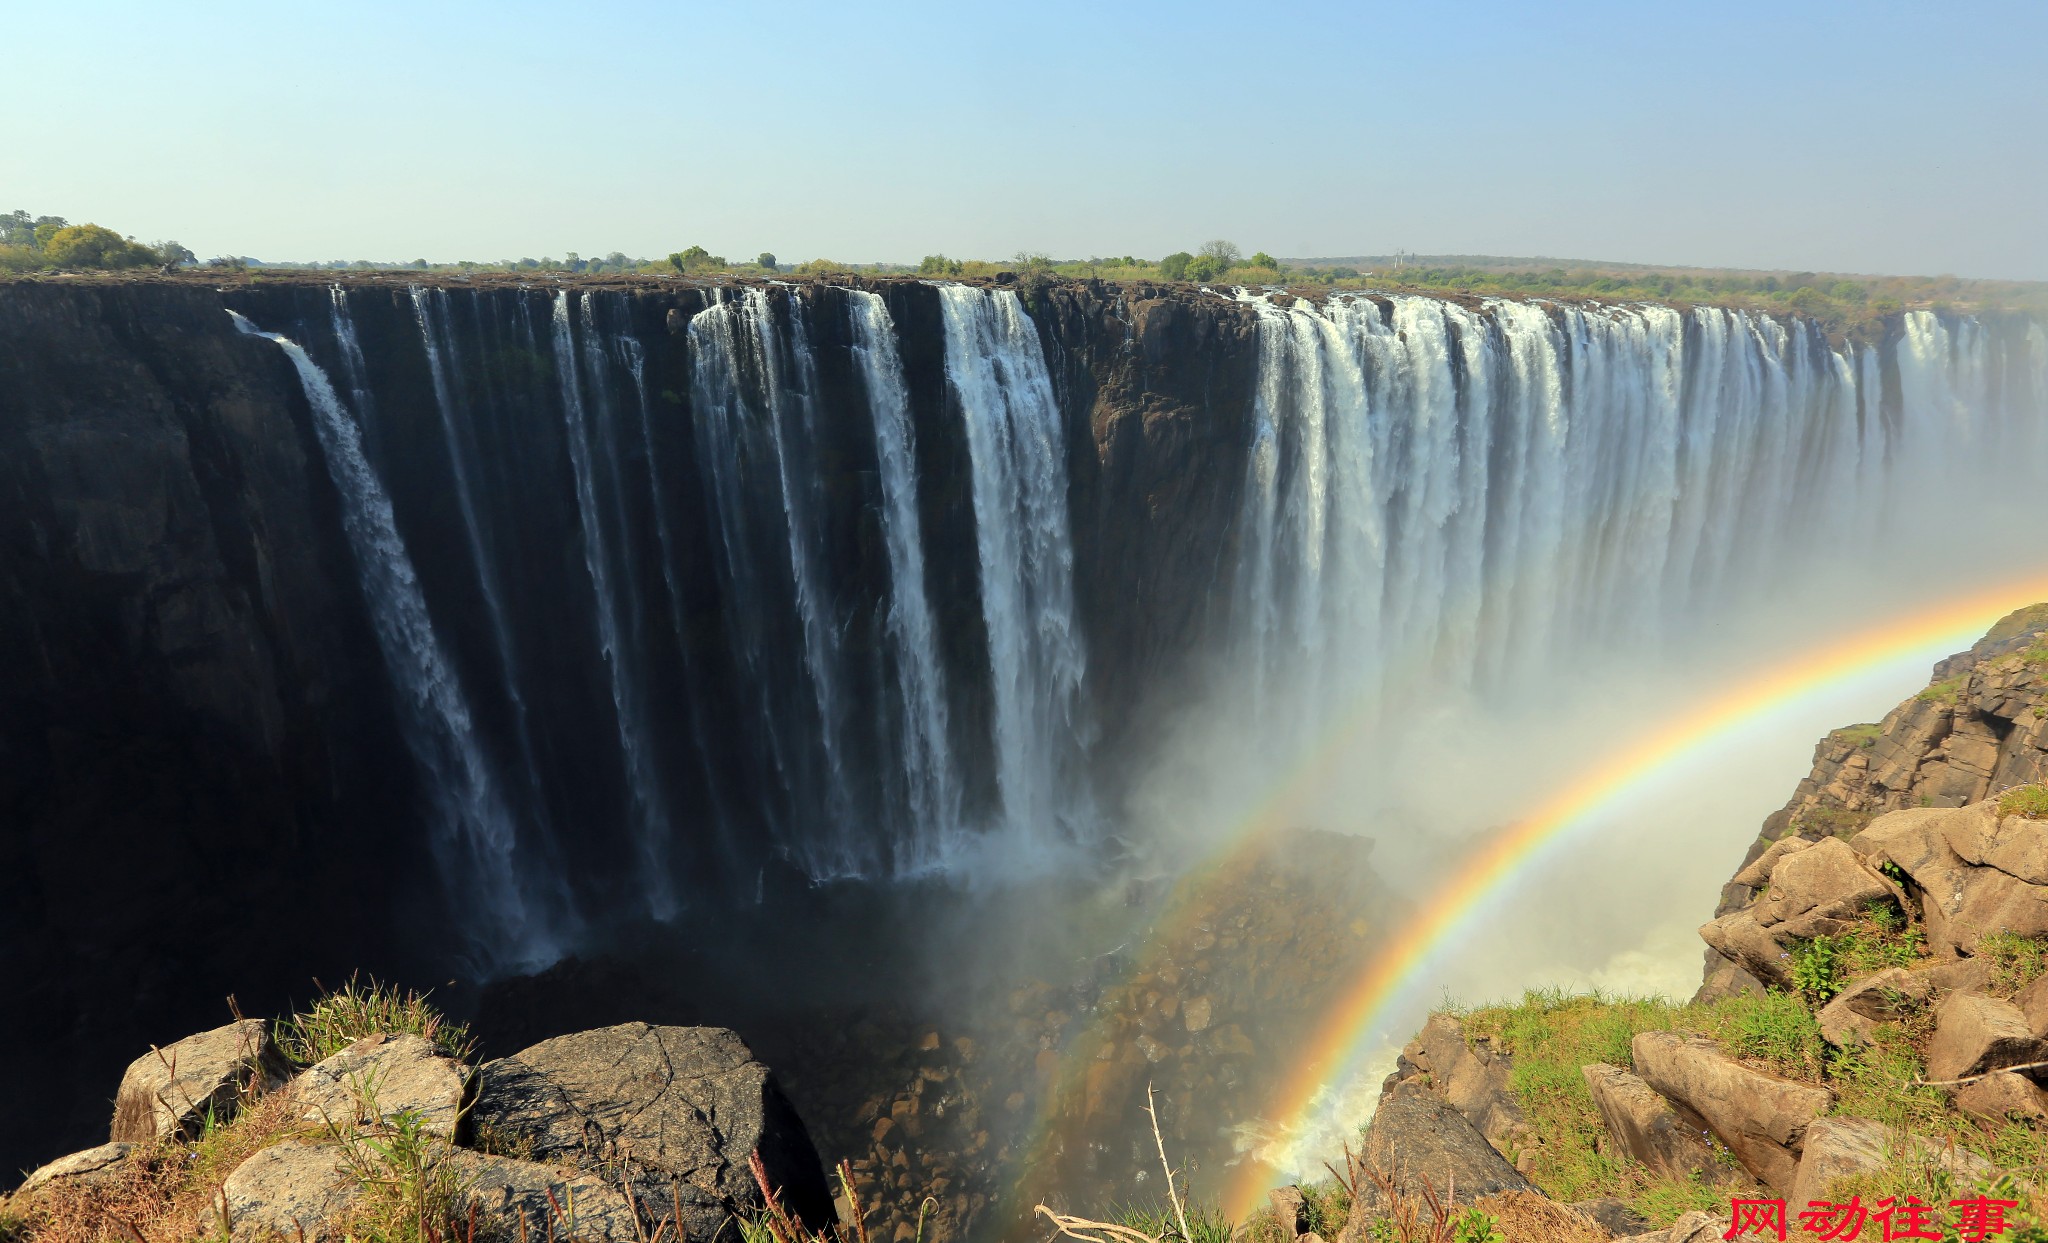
(1961, 901)
(1760, 1117)
(1838, 1148)
(1974, 1034)
(1651, 1129)
(1418, 1137)
(171, 1091)
(676, 1110)
(393, 1072)
(1747, 944)
(1472, 1076)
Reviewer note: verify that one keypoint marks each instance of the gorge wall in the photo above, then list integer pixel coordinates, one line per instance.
(459, 621)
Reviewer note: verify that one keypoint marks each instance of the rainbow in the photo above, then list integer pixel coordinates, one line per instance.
(1348, 1034)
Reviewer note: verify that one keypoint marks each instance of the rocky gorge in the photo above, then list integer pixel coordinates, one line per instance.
(789, 662)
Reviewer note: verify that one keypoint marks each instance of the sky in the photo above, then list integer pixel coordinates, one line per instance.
(1828, 137)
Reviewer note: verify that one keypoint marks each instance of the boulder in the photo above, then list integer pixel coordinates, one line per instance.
(1889, 995)
(2003, 1095)
(1819, 891)
(1418, 1137)
(1290, 1211)
(93, 1168)
(393, 1072)
(1758, 873)
(2033, 1003)
(1760, 1117)
(1471, 1076)
(1838, 1148)
(292, 1190)
(2015, 845)
(1725, 979)
(672, 1112)
(1650, 1128)
(172, 1091)
(559, 1204)
(1960, 901)
(1974, 1033)
(1738, 937)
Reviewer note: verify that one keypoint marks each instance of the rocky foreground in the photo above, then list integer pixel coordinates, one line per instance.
(1865, 1059)
(611, 1134)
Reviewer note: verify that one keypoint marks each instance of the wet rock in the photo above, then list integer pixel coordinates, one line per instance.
(393, 1072)
(1760, 1117)
(669, 1106)
(1974, 1033)
(172, 1091)
(1197, 1013)
(1670, 1140)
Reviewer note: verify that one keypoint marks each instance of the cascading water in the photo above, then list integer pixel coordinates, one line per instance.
(1484, 492)
(833, 616)
(931, 788)
(654, 828)
(474, 835)
(1017, 446)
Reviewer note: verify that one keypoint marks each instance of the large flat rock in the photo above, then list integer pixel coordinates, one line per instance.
(672, 1112)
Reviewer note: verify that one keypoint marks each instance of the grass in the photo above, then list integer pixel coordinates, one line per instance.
(340, 1018)
(1865, 735)
(1883, 938)
(2028, 801)
(1831, 821)
(410, 1196)
(1947, 691)
(2016, 961)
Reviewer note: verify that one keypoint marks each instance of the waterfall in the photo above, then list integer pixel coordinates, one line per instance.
(1486, 491)
(474, 837)
(931, 787)
(1017, 446)
(653, 828)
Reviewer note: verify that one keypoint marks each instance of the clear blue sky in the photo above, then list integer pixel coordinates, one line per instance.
(1857, 137)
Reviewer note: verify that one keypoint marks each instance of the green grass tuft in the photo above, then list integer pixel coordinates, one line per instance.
(355, 1010)
(2028, 801)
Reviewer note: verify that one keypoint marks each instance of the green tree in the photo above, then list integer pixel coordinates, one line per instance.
(938, 265)
(766, 259)
(695, 259)
(1225, 255)
(1264, 260)
(173, 254)
(1175, 266)
(91, 246)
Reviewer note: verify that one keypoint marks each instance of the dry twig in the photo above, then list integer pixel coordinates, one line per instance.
(1172, 1196)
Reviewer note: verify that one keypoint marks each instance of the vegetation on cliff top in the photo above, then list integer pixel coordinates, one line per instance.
(52, 243)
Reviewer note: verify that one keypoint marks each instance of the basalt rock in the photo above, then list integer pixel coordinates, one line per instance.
(670, 1111)
(390, 1072)
(1420, 1140)
(1670, 1139)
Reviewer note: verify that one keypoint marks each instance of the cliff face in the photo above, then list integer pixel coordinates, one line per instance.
(193, 706)
(190, 707)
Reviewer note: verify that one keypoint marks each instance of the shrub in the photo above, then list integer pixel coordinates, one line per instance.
(1175, 266)
(765, 259)
(694, 259)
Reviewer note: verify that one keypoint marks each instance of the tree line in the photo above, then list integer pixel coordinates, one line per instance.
(52, 243)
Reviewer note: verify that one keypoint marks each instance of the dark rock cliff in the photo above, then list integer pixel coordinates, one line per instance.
(197, 735)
